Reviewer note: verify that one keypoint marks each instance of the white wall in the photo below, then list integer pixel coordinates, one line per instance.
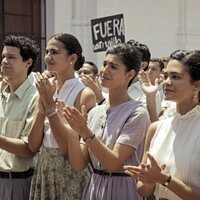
(83, 12)
(164, 25)
(58, 16)
(50, 18)
(73, 16)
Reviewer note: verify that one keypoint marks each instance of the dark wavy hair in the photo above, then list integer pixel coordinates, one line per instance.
(178, 54)
(28, 48)
(192, 63)
(94, 67)
(143, 48)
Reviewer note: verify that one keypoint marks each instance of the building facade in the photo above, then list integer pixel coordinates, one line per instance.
(164, 25)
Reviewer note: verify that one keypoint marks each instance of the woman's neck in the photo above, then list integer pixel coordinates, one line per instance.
(61, 78)
(186, 107)
(117, 97)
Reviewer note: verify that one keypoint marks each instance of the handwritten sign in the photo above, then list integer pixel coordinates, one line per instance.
(107, 31)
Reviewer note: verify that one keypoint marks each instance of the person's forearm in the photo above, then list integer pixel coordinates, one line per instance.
(76, 157)
(183, 191)
(36, 135)
(106, 157)
(151, 107)
(59, 131)
(15, 146)
(113, 159)
(99, 96)
(145, 190)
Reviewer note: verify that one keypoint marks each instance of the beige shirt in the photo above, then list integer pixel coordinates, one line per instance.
(16, 119)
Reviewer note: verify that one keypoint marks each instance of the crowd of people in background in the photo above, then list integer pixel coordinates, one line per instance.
(128, 129)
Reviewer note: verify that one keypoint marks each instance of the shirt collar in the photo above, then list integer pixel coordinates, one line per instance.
(19, 91)
(137, 85)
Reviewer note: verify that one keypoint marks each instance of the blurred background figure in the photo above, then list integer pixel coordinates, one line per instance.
(154, 69)
(90, 69)
(3, 81)
(135, 90)
(165, 60)
(49, 74)
(89, 76)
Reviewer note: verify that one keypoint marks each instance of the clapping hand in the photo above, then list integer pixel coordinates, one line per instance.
(149, 174)
(95, 86)
(46, 89)
(76, 119)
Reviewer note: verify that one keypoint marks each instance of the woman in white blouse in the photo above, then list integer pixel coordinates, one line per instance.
(171, 164)
(54, 178)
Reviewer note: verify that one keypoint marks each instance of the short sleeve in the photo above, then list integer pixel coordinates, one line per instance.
(134, 130)
(29, 121)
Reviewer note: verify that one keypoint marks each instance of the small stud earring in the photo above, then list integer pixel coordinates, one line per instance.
(70, 63)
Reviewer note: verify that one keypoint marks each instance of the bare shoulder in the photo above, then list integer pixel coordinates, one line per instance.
(87, 92)
(151, 131)
(87, 98)
(153, 127)
(87, 95)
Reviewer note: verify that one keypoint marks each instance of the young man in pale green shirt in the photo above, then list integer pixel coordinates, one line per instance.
(17, 112)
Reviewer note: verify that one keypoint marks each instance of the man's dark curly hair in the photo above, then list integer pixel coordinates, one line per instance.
(28, 48)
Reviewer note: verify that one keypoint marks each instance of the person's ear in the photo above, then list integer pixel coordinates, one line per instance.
(131, 74)
(29, 62)
(73, 58)
(143, 65)
(197, 85)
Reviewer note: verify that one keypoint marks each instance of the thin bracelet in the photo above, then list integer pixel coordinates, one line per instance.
(101, 101)
(87, 139)
(51, 114)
